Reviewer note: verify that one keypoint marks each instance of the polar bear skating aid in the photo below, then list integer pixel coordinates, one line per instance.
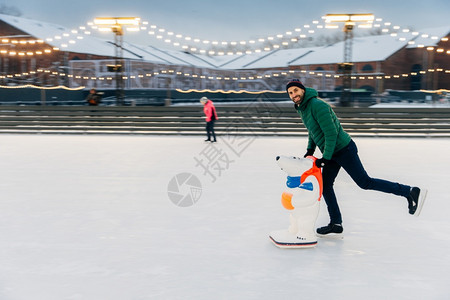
(302, 200)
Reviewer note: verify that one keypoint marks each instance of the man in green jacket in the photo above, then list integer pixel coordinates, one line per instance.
(339, 150)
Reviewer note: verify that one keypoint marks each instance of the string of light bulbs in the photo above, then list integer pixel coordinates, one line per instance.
(274, 73)
(285, 40)
(41, 87)
(204, 46)
(288, 39)
(13, 47)
(291, 37)
(26, 53)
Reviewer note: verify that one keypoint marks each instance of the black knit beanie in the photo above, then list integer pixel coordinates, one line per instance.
(295, 82)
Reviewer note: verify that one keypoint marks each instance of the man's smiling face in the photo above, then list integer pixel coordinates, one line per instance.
(296, 94)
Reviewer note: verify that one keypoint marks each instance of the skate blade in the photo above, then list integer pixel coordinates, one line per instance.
(293, 245)
(422, 196)
(331, 236)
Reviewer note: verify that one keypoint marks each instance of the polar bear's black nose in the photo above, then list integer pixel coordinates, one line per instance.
(277, 158)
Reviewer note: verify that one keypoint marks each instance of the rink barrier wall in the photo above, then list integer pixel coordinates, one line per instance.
(259, 119)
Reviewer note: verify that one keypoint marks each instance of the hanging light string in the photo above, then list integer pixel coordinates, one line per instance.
(269, 74)
(236, 47)
(286, 40)
(41, 87)
(440, 91)
(67, 38)
(9, 45)
(4, 50)
(77, 34)
(289, 39)
(21, 47)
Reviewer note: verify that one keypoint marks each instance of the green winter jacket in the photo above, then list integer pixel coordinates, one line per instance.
(324, 129)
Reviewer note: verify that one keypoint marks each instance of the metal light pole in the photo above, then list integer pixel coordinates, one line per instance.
(119, 65)
(116, 24)
(347, 66)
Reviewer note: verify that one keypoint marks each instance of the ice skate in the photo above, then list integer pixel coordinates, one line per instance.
(287, 240)
(333, 231)
(416, 199)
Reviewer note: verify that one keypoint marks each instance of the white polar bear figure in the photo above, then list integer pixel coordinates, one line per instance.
(303, 201)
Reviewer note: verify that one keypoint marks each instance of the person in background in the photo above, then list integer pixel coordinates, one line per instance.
(339, 151)
(211, 117)
(93, 98)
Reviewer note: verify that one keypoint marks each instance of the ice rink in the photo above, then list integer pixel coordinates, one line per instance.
(106, 217)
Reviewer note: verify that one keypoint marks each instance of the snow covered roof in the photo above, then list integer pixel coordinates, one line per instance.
(59, 36)
(365, 49)
(79, 42)
(369, 48)
(273, 59)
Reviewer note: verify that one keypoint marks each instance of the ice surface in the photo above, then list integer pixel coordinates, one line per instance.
(89, 217)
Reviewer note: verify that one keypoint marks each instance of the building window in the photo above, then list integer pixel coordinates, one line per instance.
(416, 80)
(367, 68)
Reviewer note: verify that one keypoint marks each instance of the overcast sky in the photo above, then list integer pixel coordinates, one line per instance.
(232, 19)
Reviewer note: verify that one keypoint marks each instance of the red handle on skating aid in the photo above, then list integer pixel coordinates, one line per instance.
(316, 172)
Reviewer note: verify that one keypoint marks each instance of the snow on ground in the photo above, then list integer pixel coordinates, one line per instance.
(90, 217)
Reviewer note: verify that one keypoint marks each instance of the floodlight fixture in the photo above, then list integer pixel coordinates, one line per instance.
(349, 18)
(346, 67)
(117, 21)
(116, 25)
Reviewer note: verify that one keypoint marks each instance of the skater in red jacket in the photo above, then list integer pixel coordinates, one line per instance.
(211, 117)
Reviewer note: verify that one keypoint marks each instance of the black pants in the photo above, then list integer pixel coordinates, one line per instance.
(348, 159)
(210, 131)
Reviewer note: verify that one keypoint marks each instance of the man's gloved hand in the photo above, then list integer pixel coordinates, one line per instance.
(293, 181)
(309, 152)
(321, 162)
